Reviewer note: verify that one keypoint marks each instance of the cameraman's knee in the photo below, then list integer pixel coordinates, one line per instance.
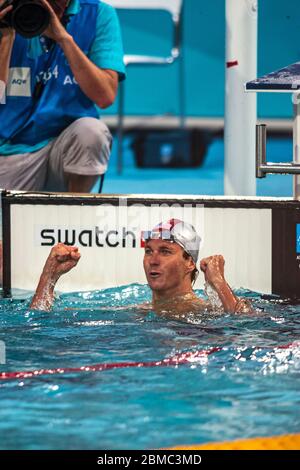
(92, 134)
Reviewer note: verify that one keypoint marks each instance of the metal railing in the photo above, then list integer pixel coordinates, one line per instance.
(262, 166)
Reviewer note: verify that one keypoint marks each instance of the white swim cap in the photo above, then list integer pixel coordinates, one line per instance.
(179, 232)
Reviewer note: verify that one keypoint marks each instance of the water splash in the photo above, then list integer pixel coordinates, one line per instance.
(213, 297)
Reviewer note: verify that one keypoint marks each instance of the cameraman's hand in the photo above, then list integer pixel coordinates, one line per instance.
(55, 30)
(6, 33)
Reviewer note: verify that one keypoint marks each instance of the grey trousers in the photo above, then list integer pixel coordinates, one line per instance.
(83, 148)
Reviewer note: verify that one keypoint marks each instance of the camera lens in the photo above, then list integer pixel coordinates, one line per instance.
(30, 19)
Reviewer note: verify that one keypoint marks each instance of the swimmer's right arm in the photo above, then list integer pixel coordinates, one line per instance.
(61, 260)
(7, 36)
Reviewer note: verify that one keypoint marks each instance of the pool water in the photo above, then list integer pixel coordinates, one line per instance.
(249, 386)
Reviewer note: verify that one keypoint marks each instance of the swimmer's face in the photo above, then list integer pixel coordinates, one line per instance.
(166, 269)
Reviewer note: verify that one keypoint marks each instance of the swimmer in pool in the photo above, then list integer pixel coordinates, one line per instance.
(170, 258)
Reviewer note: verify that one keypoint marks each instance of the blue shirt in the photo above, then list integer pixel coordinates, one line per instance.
(100, 40)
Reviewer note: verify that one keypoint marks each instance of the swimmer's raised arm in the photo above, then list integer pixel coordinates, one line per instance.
(213, 269)
(61, 260)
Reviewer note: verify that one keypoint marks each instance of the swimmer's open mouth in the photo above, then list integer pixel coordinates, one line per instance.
(154, 274)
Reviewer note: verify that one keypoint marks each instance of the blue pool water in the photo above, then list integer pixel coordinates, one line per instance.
(249, 387)
(206, 179)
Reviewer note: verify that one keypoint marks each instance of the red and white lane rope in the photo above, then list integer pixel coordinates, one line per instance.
(177, 359)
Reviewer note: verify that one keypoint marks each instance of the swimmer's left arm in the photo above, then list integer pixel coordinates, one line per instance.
(213, 269)
(231, 303)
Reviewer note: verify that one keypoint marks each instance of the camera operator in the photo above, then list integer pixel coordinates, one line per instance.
(51, 89)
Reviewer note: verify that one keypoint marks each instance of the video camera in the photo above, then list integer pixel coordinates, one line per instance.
(28, 17)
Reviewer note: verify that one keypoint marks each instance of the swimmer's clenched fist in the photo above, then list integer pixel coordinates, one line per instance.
(62, 258)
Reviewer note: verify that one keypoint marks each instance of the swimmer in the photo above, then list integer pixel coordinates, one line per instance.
(170, 265)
